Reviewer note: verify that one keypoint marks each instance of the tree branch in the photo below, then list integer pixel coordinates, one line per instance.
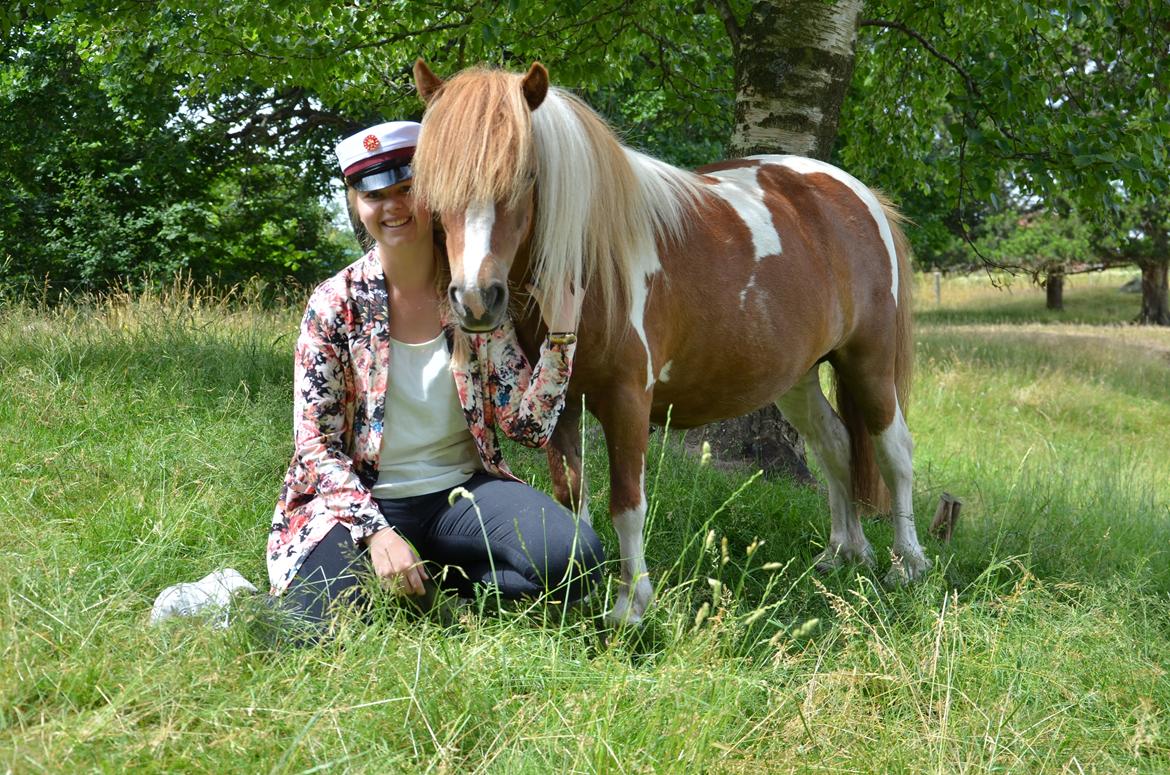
(730, 23)
(971, 85)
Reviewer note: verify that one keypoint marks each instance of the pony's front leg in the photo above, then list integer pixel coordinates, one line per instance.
(625, 417)
(565, 464)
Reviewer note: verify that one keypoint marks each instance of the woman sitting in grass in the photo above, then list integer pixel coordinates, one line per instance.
(397, 469)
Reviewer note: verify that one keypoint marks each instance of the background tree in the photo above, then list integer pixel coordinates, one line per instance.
(1142, 238)
(794, 62)
(108, 174)
(1050, 101)
(1046, 244)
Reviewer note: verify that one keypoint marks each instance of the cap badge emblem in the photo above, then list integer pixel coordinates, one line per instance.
(371, 143)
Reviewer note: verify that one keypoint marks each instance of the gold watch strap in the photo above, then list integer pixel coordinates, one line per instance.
(562, 337)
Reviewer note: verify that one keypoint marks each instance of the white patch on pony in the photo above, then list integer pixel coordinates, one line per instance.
(807, 166)
(664, 190)
(639, 291)
(583, 513)
(805, 406)
(740, 188)
(744, 293)
(477, 240)
(583, 506)
(894, 451)
(664, 372)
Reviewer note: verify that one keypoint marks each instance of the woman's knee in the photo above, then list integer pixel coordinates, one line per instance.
(576, 559)
(590, 553)
(328, 576)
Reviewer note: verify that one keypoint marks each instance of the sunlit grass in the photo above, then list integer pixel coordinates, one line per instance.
(146, 438)
(998, 297)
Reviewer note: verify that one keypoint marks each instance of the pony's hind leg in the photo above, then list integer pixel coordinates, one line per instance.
(875, 409)
(806, 407)
(894, 451)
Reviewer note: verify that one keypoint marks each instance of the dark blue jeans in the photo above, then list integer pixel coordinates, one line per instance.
(512, 537)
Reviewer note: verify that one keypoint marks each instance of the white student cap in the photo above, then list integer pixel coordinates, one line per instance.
(379, 156)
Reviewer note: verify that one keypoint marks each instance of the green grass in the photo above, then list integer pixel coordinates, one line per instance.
(146, 438)
(999, 297)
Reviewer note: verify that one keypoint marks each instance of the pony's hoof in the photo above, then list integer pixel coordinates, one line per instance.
(622, 615)
(629, 608)
(907, 569)
(835, 558)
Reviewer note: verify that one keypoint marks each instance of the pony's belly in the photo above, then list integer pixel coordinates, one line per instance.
(718, 398)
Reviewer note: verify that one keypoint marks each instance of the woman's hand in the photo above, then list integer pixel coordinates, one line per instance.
(567, 312)
(395, 560)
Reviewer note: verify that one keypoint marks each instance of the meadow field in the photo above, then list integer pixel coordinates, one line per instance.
(145, 437)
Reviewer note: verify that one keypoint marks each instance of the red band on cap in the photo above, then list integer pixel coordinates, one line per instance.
(398, 153)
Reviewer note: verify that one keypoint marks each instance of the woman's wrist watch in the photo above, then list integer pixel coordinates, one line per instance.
(562, 337)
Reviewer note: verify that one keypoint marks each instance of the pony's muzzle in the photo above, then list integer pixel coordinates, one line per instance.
(479, 309)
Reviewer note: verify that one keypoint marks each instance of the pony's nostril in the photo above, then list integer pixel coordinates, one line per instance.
(453, 296)
(494, 296)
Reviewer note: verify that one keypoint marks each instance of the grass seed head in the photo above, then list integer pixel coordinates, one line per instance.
(701, 615)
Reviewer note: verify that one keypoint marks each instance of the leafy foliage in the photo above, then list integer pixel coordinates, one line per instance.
(1042, 241)
(1065, 98)
(108, 174)
(957, 112)
(664, 73)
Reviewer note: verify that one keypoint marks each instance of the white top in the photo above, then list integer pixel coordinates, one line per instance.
(426, 446)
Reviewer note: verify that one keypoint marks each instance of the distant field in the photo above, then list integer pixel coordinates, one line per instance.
(146, 437)
(998, 297)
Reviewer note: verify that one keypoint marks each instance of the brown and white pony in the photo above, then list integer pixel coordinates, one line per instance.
(708, 293)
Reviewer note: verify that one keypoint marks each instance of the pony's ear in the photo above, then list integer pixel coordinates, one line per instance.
(425, 81)
(535, 85)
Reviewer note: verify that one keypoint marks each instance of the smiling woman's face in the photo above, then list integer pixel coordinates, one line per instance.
(392, 217)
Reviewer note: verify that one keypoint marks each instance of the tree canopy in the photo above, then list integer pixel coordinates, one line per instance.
(958, 111)
(106, 176)
(1069, 97)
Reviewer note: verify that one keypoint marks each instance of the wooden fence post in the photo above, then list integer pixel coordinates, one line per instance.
(945, 517)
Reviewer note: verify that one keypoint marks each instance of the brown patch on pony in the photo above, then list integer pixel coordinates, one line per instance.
(870, 493)
(483, 114)
(727, 164)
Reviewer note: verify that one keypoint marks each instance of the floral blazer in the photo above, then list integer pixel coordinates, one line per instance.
(341, 370)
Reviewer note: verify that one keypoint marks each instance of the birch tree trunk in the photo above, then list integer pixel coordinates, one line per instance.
(793, 64)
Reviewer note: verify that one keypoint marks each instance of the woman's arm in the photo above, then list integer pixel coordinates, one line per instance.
(527, 401)
(323, 405)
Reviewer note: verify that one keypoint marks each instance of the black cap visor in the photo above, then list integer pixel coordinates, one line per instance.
(381, 175)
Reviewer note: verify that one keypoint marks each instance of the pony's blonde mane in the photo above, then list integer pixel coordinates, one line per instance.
(599, 205)
(476, 144)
